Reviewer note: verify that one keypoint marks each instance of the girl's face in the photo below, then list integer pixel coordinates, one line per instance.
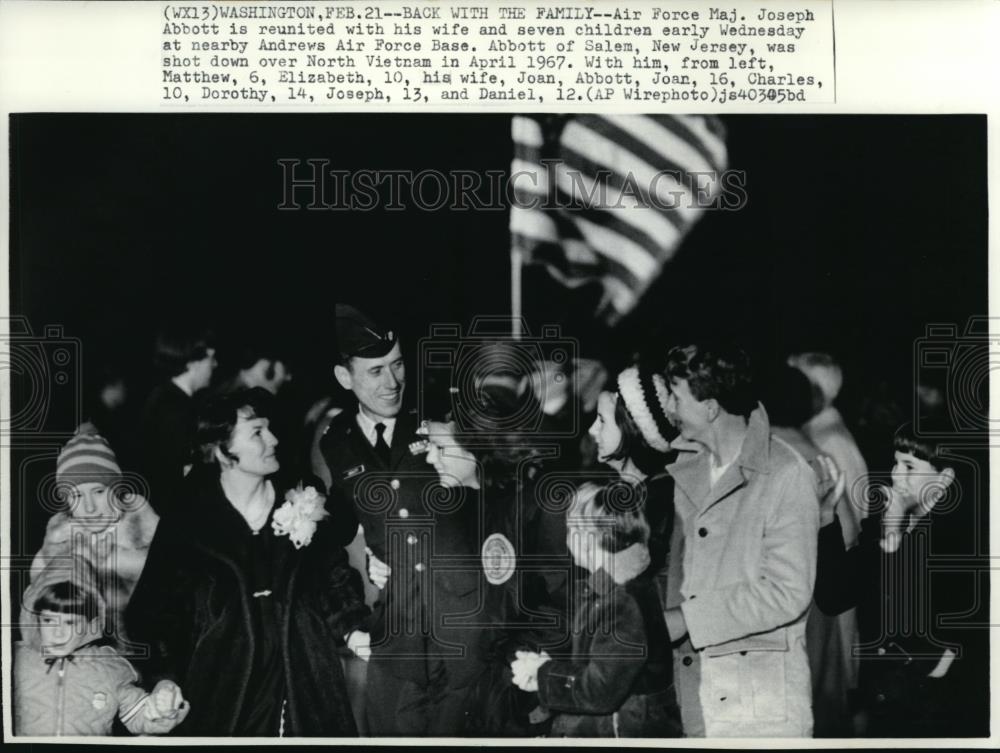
(455, 465)
(604, 430)
(91, 503)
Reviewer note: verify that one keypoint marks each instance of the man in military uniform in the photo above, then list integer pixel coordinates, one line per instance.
(421, 669)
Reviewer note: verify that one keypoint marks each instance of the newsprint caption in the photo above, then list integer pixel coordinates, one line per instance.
(531, 54)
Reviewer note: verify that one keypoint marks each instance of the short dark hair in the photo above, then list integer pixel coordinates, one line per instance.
(719, 371)
(177, 346)
(615, 510)
(66, 597)
(495, 437)
(219, 416)
(633, 445)
(922, 447)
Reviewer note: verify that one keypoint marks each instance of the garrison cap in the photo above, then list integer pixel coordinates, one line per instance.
(358, 335)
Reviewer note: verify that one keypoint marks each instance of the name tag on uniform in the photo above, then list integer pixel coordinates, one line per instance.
(355, 471)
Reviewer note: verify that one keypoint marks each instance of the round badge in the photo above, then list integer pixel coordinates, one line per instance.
(100, 700)
(499, 559)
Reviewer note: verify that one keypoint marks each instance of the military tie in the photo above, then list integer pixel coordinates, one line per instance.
(381, 448)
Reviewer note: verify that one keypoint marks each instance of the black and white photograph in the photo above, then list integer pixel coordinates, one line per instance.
(498, 425)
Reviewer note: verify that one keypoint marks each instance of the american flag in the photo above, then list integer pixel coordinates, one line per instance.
(609, 198)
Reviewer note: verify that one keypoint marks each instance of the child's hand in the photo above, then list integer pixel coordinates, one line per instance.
(896, 511)
(832, 482)
(168, 701)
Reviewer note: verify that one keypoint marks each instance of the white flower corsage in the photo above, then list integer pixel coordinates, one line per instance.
(297, 518)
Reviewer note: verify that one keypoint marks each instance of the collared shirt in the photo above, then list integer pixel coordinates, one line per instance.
(367, 426)
(715, 472)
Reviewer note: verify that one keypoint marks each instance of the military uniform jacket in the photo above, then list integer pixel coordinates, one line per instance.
(424, 533)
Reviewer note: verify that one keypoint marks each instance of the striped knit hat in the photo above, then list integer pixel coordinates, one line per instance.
(87, 458)
(645, 396)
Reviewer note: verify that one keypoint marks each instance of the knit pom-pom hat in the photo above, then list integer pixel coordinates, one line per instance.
(645, 396)
(87, 458)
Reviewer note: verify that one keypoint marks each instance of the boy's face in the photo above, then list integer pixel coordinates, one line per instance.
(918, 482)
(688, 414)
(90, 503)
(63, 633)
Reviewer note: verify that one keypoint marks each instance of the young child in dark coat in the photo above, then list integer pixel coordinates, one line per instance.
(923, 657)
(618, 681)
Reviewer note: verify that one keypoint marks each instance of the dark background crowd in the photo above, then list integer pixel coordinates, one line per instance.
(860, 234)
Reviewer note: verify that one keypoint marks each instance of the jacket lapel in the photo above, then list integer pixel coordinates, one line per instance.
(690, 474)
(362, 449)
(730, 481)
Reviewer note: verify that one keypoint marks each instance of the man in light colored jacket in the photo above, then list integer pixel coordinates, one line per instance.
(743, 560)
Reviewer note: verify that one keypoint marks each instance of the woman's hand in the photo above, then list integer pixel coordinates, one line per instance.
(378, 571)
(359, 643)
(832, 482)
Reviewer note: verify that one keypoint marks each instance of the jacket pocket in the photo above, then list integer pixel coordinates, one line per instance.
(745, 686)
(776, 640)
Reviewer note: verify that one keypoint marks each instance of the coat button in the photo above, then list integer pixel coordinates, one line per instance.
(394, 483)
(411, 539)
(687, 661)
(404, 513)
(880, 698)
(703, 532)
(419, 567)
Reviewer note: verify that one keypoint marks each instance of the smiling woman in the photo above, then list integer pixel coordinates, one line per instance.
(234, 606)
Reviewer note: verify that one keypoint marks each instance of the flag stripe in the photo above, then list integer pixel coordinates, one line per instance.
(617, 199)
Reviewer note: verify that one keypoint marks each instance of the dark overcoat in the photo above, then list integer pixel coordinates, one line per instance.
(192, 609)
(425, 534)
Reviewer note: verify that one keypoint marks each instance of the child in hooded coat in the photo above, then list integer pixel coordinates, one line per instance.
(68, 679)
